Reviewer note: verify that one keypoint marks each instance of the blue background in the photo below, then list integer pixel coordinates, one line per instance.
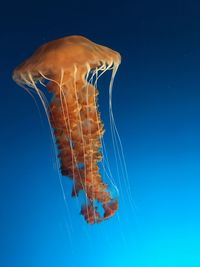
(156, 103)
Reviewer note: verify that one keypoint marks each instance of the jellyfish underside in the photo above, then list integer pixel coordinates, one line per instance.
(68, 66)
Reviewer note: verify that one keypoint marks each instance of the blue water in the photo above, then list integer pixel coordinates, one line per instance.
(156, 103)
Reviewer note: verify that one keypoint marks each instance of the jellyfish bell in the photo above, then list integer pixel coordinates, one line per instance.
(66, 65)
(65, 53)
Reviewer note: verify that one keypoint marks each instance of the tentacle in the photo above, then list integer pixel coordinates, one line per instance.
(78, 130)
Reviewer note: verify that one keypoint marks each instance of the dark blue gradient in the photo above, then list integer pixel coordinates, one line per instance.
(156, 104)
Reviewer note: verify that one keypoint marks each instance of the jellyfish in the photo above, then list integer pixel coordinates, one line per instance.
(66, 67)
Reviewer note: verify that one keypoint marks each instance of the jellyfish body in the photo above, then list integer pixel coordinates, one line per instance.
(67, 64)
